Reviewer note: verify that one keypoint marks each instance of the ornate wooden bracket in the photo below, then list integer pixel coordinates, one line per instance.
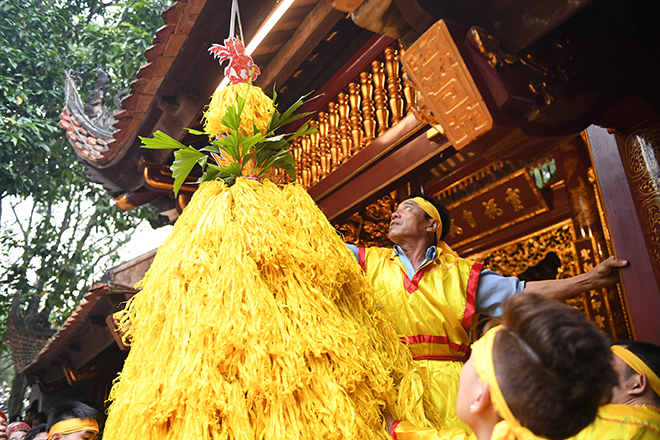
(437, 69)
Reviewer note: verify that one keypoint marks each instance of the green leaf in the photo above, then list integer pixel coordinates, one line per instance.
(213, 172)
(161, 141)
(303, 130)
(197, 132)
(287, 118)
(233, 168)
(231, 119)
(184, 161)
(211, 149)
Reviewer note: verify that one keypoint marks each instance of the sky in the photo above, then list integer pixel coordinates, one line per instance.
(144, 240)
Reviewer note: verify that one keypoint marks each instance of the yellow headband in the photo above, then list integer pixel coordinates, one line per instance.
(638, 365)
(482, 355)
(482, 352)
(69, 426)
(428, 208)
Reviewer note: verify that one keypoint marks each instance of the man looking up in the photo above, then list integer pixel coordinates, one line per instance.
(433, 295)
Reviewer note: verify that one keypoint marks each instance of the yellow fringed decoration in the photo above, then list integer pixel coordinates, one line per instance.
(258, 109)
(255, 322)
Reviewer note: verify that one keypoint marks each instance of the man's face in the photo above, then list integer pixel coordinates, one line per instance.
(408, 221)
(620, 391)
(3, 428)
(467, 390)
(18, 435)
(41, 436)
(80, 435)
(28, 416)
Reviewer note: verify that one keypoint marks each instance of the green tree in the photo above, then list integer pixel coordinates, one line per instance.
(58, 231)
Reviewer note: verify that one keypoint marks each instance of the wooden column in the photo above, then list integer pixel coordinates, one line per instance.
(606, 307)
(626, 226)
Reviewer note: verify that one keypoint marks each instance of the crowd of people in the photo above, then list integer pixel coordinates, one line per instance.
(540, 368)
(69, 420)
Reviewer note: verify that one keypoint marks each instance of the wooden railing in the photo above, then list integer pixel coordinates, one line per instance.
(366, 108)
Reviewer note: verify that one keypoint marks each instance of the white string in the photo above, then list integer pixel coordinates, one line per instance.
(236, 18)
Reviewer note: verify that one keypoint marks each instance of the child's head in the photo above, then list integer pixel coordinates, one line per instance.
(73, 421)
(546, 368)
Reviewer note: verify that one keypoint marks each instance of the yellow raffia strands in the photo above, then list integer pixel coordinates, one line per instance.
(255, 322)
(258, 109)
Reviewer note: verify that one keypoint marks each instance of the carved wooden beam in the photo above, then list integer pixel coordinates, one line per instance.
(310, 32)
(376, 170)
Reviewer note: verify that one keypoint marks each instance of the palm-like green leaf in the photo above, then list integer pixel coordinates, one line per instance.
(268, 150)
(184, 161)
(161, 141)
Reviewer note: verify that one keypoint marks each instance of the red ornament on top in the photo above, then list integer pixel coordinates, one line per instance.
(241, 68)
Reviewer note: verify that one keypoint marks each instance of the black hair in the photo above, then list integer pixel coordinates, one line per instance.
(32, 433)
(445, 218)
(71, 410)
(647, 353)
(41, 417)
(553, 365)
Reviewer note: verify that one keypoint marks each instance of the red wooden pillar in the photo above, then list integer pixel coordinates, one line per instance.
(617, 164)
(604, 306)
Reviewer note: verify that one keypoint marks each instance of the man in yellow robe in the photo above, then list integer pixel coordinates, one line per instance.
(433, 295)
(634, 412)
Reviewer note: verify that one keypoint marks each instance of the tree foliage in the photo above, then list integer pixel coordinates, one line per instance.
(57, 229)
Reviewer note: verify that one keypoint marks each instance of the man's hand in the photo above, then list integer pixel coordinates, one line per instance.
(603, 275)
(606, 273)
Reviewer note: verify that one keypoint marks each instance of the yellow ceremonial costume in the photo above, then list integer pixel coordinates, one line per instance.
(623, 422)
(408, 431)
(509, 428)
(433, 312)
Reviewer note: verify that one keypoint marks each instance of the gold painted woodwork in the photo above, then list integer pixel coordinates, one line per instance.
(333, 134)
(366, 108)
(380, 97)
(357, 134)
(513, 198)
(435, 66)
(394, 84)
(480, 183)
(515, 257)
(370, 226)
(367, 88)
(122, 203)
(642, 154)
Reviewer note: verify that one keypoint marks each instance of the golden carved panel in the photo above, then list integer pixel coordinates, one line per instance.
(575, 257)
(497, 204)
(369, 227)
(642, 154)
(437, 69)
(517, 256)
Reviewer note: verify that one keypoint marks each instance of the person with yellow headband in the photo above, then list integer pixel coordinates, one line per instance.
(634, 411)
(433, 295)
(73, 421)
(542, 373)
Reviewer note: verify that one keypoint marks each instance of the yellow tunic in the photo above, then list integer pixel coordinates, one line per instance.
(623, 422)
(407, 431)
(433, 312)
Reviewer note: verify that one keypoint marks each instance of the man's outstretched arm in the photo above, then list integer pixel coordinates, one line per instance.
(603, 275)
